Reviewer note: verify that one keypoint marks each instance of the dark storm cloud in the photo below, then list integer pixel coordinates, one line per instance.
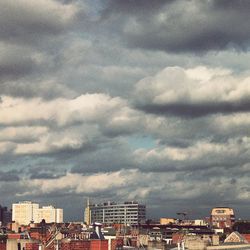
(9, 176)
(196, 110)
(186, 26)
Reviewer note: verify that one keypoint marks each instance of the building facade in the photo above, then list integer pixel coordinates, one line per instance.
(50, 214)
(222, 217)
(5, 215)
(24, 212)
(128, 213)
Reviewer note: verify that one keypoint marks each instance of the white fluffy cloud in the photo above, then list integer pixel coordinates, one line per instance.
(60, 111)
(205, 88)
(37, 126)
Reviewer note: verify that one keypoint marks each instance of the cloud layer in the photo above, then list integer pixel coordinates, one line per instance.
(194, 92)
(119, 100)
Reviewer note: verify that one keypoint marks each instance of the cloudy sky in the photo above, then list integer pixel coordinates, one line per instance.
(126, 100)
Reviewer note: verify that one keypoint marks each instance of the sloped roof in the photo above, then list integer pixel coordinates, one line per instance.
(235, 237)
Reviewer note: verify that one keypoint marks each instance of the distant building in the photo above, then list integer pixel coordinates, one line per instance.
(128, 213)
(165, 221)
(200, 222)
(222, 217)
(24, 212)
(49, 214)
(87, 216)
(5, 215)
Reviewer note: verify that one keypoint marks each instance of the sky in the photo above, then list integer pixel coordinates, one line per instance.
(126, 100)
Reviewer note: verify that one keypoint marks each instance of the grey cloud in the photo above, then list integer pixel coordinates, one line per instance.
(30, 21)
(30, 36)
(44, 176)
(9, 176)
(85, 143)
(180, 133)
(16, 69)
(45, 89)
(242, 5)
(110, 156)
(203, 26)
(133, 6)
(196, 110)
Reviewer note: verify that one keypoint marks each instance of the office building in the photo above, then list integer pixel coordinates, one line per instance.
(24, 212)
(222, 217)
(128, 213)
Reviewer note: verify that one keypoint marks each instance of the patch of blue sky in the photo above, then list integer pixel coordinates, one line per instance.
(137, 142)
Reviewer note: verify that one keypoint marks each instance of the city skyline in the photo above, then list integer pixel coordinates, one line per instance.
(126, 100)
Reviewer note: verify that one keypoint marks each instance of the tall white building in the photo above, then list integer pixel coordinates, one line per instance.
(49, 214)
(59, 215)
(27, 211)
(24, 212)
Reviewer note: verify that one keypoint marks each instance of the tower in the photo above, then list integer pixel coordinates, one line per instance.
(87, 213)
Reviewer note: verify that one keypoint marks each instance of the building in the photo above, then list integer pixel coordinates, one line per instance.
(49, 214)
(24, 212)
(165, 221)
(5, 215)
(128, 213)
(87, 218)
(222, 217)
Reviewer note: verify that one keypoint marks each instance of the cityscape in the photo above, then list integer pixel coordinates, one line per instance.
(124, 124)
(117, 226)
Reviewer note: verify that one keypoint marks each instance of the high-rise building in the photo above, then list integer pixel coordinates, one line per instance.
(24, 212)
(128, 213)
(49, 214)
(222, 217)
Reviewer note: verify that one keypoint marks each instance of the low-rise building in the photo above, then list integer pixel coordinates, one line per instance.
(165, 221)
